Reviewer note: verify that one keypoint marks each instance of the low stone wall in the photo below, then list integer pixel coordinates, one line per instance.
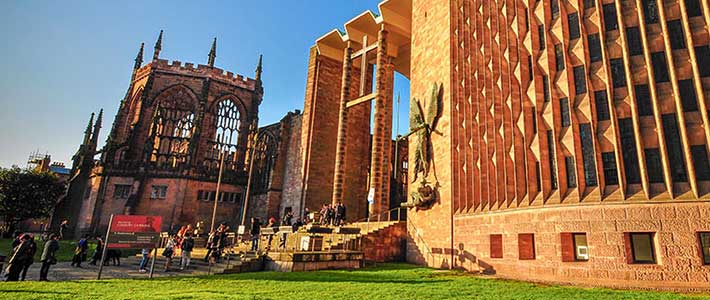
(312, 261)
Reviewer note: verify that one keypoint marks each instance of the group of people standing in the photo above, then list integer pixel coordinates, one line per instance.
(332, 214)
(24, 248)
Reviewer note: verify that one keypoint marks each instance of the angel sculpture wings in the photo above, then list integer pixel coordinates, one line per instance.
(421, 127)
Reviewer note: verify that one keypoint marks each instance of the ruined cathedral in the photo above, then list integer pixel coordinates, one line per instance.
(178, 125)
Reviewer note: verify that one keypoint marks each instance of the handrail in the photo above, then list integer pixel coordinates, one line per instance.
(388, 212)
(420, 238)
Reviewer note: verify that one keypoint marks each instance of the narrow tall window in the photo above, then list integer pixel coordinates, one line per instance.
(595, 48)
(530, 68)
(496, 245)
(687, 95)
(538, 180)
(642, 250)
(676, 35)
(588, 4)
(633, 35)
(609, 162)
(541, 35)
(226, 137)
(618, 74)
(692, 7)
(559, 58)
(643, 100)
(628, 150)
(700, 161)
(551, 158)
(526, 246)
(588, 159)
(602, 105)
(654, 165)
(675, 152)
(555, 8)
(650, 11)
(534, 120)
(580, 80)
(660, 68)
(704, 238)
(571, 172)
(545, 89)
(564, 112)
(573, 22)
(610, 17)
(702, 57)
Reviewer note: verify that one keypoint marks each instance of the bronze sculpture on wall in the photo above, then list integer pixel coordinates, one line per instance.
(421, 127)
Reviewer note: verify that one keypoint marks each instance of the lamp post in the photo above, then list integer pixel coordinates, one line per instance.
(255, 130)
(219, 183)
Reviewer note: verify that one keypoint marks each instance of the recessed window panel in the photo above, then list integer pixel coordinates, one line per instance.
(595, 49)
(642, 250)
(588, 158)
(580, 80)
(610, 22)
(628, 150)
(602, 105)
(581, 248)
(618, 73)
(633, 36)
(571, 172)
(559, 58)
(676, 35)
(564, 112)
(643, 100)
(611, 177)
(573, 22)
(700, 162)
(654, 165)
(673, 146)
(705, 246)
(687, 95)
(650, 11)
(660, 67)
(693, 8)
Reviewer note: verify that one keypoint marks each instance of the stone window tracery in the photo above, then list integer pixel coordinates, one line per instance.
(172, 129)
(226, 136)
(265, 155)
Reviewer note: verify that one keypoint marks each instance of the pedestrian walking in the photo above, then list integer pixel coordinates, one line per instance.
(80, 251)
(210, 245)
(63, 228)
(254, 232)
(96, 257)
(169, 252)
(145, 252)
(339, 214)
(30, 257)
(48, 256)
(18, 259)
(185, 254)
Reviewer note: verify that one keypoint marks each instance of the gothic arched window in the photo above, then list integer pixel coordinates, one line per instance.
(172, 129)
(226, 136)
(265, 155)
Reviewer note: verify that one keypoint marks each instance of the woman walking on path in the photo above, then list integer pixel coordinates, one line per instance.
(169, 252)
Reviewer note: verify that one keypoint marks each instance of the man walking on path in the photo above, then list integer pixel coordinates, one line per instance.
(144, 261)
(48, 256)
(80, 252)
(187, 245)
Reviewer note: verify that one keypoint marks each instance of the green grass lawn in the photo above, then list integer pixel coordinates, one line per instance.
(389, 281)
(65, 252)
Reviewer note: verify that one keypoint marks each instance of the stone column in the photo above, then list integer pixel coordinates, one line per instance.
(383, 123)
(339, 175)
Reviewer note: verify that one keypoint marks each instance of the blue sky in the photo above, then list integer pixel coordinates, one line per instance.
(62, 60)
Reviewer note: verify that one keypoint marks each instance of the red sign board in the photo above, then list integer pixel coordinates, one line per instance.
(129, 231)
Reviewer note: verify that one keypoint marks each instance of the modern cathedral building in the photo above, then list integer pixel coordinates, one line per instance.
(563, 141)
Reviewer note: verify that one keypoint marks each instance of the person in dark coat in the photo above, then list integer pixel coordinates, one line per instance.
(98, 252)
(48, 256)
(329, 215)
(18, 259)
(30, 257)
(254, 232)
(339, 214)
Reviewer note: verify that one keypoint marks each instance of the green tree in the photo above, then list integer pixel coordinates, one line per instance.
(27, 194)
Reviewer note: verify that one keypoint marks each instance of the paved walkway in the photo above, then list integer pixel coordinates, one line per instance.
(63, 271)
